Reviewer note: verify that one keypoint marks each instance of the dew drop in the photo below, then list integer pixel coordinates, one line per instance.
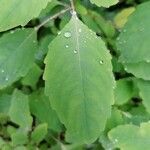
(116, 140)
(59, 32)
(34, 41)
(12, 32)
(125, 69)
(85, 41)
(6, 78)
(101, 62)
(2, 71)
(67, 34)
(67, 46)
(75, 51)
(148, 61)
(80, 30)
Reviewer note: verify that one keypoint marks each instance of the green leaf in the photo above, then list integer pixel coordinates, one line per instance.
(104, 3)
(17, 50)
(115, 120)
(15, 12)
(20, 148)
(2, 142)
(19, 110)
(39, 133)
(41, 108)
(140, 69)
(135, 55)
(131, 137)
(122, 17)
(144, 87)
(136, 29)
(78, 73)
(123, 91)
(31, 79)
(19, 137)
(5, 101)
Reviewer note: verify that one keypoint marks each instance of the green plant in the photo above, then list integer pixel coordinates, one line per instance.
(74, 74)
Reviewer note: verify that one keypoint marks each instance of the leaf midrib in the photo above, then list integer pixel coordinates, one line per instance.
(80, 68)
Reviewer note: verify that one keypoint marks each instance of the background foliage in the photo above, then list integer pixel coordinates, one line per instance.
(74, 75)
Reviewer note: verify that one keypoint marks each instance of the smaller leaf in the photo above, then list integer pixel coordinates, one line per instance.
(40, 107)
(20, 148)
(19, 138)
(144, 87)
(104, 3)
(39, 133)
(131, 137)
(140, 70)
(19, 110)
(5, 101)
(2, 142)
(123, 91)
(17, 50)
(122, 17)
(31, 79)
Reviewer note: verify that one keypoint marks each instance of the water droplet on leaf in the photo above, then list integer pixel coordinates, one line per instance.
(59, 32)
(67, 34)
(67, 46)
(80, 30)
(12, 32)
(101, 62)
(75, 51)
(148, 61)
(6, 78)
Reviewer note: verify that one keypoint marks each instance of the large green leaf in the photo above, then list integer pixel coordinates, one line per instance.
(78, 73)
(131, 137)
(104, 3)
(16, 12)
(17, 50)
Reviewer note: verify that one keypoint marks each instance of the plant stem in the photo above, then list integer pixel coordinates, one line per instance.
(52, 17)
(72, 5)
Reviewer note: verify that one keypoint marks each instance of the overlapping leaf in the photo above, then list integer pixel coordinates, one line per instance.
(19, 110)
(104, 3)
(17, 50)
(78, 73)
(144, 87)
(123, 91)
(16, 12)
(131, 137)
(133, 43)
(41, 108)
